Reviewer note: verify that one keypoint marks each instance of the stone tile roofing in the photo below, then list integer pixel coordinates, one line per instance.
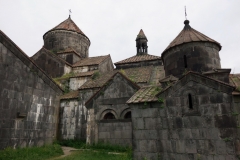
(70, 95)
(145, 94)
(137, 75)
(141, 35)
(91, 61)
(188, 34)
(139, 58)
(84, 74)
(68, 25)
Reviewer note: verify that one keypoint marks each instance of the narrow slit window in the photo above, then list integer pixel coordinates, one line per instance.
(190, 104)
(185, 61)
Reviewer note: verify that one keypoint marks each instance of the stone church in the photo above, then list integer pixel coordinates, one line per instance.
(177, 105)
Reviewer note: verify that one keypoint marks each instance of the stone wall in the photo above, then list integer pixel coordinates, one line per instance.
(50, 63)
(117, 132)
(109, 100)
(174, 130)
(72, 119)
(59, 40)
(29, 100)
(73, 116)
(70, 57)
(77, 82)
(199, 57)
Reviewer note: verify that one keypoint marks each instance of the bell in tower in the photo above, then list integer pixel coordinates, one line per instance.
(141, 43)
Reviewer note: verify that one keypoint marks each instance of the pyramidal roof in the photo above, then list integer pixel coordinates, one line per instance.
(188, 34)
(141, 35)
(68, 25)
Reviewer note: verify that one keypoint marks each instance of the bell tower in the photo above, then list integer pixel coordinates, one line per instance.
(141, 43)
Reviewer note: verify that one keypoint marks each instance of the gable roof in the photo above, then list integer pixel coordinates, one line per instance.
(8, 43)
(69, 50)
(145, 94)
(84, 74)
(70, 95)
(138, 75)
(91, 61)
(139, 58)
(107, 82)
(51, 54)
(68, 25)
(188, 34)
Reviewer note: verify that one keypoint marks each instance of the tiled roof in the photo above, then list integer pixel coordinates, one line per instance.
(90, 61)
(68, 25)
(84, 74)
(138, 58)
(137, 75)
(145, 94)
(188, 34)
(234, 79)
(141, 35)
(99, 81)
(110, 79)
(70, 95)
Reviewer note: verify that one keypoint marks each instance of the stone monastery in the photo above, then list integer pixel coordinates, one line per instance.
(178, 105)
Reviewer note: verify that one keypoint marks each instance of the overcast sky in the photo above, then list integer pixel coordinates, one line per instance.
(112, 25)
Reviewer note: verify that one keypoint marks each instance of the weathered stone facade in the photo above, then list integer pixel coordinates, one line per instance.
(170, 128)
(107, 120)
(195, 56)
(29, 100)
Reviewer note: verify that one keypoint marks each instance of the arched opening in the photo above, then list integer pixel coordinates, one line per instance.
(128, 115)
(109, 116)
(185, 61)
(190, 104)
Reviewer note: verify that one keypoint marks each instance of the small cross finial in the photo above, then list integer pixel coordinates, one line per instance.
(70, 12)
(185, 12)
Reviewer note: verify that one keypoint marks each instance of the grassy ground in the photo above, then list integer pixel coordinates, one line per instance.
(98, 151)
(96, 155)
(98, 146)
(33, 153)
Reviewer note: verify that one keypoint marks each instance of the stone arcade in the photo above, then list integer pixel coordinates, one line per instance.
(180, 105)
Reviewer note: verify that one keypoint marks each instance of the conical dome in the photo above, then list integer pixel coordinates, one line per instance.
(67, 35)
(192, 51)
(188, 34)
(141, 35)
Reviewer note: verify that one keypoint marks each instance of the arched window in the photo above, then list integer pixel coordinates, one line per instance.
(185, 61)
(109, 116)
(128, 115)
(190, 104)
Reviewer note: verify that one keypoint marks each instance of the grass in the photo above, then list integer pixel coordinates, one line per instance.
(96, 155)
(33, 153)
(99, 146)
(97, 151)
